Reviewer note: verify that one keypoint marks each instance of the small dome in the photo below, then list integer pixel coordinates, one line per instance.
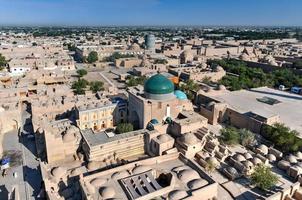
(238, 157)
(292, 159)
(177, 195)
(140, 169)
(271, 157)
(283, 164)
(221, 87)
(263, 148)
(189, 138)
(154, 121)
(107, 192)
(256, 161)
(159, 84)
(180, 95)
(58, 172)
(197, 183)
(247, 156)
(187, 175)
(232, 171)
(98, 182)
(219, 69)
(163, 138)
(76, 172)
(248, 164)
(119, 175)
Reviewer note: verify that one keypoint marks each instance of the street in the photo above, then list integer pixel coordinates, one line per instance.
(28, 178)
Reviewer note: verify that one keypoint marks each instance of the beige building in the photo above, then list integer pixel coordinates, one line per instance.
(96, 116)
(106, 146)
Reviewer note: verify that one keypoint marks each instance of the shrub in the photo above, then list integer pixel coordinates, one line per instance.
(247, 138)
(283, 138)
(230, 136)
(81, 72)
(263, 177)
(124, 128)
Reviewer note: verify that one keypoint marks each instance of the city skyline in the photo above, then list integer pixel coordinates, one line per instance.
(150, 12)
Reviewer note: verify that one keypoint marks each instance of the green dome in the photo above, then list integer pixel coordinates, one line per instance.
(159, 84)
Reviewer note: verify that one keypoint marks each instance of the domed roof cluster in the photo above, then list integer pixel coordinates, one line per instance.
(159, 84)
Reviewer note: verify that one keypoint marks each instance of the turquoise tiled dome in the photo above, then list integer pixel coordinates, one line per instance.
(159, 84)
(180, 95)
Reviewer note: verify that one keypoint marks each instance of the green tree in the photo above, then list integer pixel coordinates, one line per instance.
(160, 61)
(263, 177)
(79, 86)
(3, 61)
(117, 55)
(34, 44)
(246, 137)
(124, 128)
(81, 72)
(134, 81)
(96, 86)
(283, 138)
(189, 87)
(230, 136)
(92, 57)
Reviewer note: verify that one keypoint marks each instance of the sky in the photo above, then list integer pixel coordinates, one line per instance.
(151, 12)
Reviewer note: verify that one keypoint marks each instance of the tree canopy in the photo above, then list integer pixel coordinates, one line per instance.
(233, 136)
(283, 138)
(117, 55)
(82, 72)
(92, 57)
(96, 86)
(189, 87)
(243, 77)
(134, 81)
(79, 86)
(3, 61)
(230, 136)
(263, 177)
(124, 128)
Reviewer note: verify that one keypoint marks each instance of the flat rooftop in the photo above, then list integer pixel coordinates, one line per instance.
(287, 105)
(97, 138)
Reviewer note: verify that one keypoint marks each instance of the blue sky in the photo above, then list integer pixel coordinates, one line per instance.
(151, 12)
